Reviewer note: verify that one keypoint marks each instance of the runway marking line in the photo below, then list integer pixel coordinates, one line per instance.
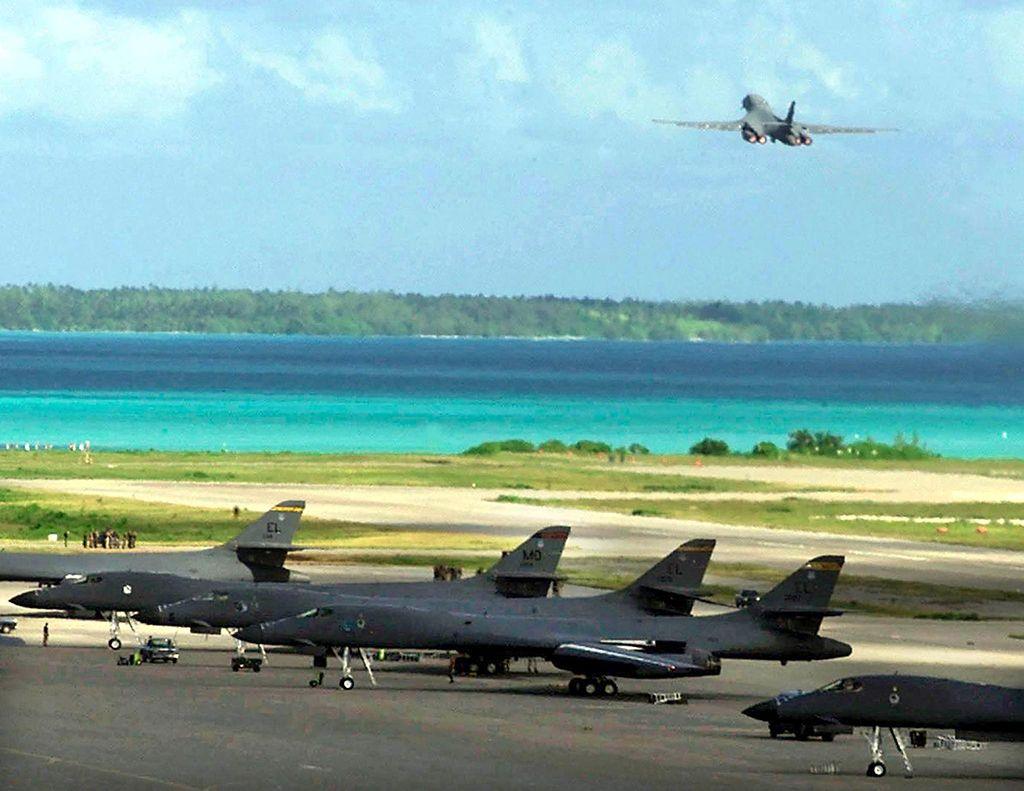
(53, 759)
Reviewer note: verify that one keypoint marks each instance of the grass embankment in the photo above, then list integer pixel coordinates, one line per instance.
(504, 471)
(995, 468)
(30, 516)
(845, 518)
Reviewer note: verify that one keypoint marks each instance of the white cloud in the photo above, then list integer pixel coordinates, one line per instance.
(614, 80)
(331, 72)
(87, 65)
(500, 49)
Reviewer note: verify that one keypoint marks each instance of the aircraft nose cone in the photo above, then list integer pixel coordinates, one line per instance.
(765, 711)
(26, 599)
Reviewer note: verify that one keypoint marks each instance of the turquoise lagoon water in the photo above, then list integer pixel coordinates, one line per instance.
(436, 395)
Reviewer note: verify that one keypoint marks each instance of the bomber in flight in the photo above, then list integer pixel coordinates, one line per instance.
(760, 125)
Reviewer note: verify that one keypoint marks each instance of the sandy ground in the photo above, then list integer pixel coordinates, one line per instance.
(594, 533)
(909, 486)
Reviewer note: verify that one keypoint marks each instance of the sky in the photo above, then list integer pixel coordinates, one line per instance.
(507, 148)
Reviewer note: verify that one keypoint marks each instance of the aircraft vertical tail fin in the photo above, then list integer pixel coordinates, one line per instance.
(801, 600)
(529, 569)
(672, 584)
(272, 532)
(792, 111)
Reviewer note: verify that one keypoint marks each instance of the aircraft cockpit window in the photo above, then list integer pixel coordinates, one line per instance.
(843, 685)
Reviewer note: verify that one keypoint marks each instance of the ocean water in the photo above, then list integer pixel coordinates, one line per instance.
(208, 392)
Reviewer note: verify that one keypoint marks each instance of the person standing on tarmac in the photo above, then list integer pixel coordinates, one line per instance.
(451, 668)
(46, 634)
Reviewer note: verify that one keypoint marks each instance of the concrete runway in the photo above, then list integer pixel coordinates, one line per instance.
(594, 533)
(73, 719)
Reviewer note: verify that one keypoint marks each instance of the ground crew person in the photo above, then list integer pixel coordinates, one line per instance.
(451, 668)
(46, 634)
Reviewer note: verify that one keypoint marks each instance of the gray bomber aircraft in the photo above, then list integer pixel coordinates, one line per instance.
(585, 636)
(256, 554)
(670, 587)
(983, 712)
(526, 571)
(760, 125)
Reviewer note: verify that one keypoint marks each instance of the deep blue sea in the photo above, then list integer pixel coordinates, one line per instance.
(244, 392)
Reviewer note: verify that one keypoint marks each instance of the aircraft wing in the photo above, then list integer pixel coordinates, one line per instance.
(632, 662)
(717, 126)
(825, 129)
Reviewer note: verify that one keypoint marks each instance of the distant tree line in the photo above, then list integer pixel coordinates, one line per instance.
(50, 307)
(824, 443)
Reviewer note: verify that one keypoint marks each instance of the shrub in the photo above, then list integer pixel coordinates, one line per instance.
(710, 447)
(553, 446)
(768, 450)
(638, 450)
(500, 446)
(591, 446)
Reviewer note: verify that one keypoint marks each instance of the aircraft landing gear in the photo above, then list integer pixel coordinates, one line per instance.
(114, 643)
(592, 687)
(347, 682)
(877, 766)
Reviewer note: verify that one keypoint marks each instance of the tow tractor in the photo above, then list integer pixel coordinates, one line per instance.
(242, 662)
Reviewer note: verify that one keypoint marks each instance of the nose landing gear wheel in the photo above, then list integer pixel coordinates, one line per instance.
(876, 769)
(114, 644)
(347, 683)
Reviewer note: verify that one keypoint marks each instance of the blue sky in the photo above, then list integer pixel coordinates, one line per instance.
(506, 148)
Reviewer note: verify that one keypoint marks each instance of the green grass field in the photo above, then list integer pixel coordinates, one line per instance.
(504, 471)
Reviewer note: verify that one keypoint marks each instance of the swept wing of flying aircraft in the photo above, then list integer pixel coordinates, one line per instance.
(982, 712)
(585, 636)
(760, 124)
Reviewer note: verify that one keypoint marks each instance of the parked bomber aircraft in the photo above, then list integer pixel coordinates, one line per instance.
(526, 571)
(584, 636)
(256, 554)
(982, 712)
(760, 125)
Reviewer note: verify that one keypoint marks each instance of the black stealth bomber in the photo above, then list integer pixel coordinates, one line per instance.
(596, 637)
(256, 554)
(760, 124)
(984, 712)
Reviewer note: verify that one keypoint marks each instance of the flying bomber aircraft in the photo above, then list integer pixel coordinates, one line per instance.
(256, 554)
(983, 712)
(584, 636)
(760, 125)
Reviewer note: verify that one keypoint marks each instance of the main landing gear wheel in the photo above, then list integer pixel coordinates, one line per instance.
(574, 686)
(609, 688)
(876, 769)
(114, 644)
(347, 683)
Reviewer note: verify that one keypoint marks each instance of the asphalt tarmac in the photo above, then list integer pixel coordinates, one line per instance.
(72, 718)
